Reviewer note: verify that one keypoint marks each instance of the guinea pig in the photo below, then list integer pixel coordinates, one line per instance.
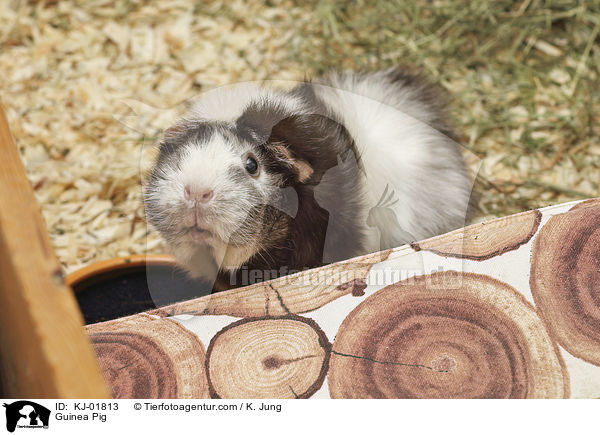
(274, 181)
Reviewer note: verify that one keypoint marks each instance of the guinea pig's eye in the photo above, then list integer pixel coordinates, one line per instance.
(251, 165)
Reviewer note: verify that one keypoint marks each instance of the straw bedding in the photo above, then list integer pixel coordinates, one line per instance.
(89, 86)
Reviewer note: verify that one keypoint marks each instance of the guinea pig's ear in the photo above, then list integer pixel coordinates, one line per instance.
(311, 143)
(302, 169)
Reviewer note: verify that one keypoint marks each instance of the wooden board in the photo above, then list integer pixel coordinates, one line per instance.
(458, 318)
(44, 352)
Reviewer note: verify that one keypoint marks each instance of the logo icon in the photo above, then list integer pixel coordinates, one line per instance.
(26, 414)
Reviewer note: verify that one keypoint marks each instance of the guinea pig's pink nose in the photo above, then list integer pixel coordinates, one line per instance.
(198, 194)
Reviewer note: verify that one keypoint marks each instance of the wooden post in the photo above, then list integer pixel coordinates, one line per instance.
(44, 352)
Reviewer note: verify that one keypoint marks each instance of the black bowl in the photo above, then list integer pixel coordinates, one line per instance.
(123, 286)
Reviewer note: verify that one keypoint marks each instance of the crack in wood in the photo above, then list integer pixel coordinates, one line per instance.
(287, 310)
(125, 366)
(293, 392)
(267, 302)
(274, 362)
(422, 366)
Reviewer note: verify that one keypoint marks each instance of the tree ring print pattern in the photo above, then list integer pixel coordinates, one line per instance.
(565, 279)
(446, 335)
(285, 357)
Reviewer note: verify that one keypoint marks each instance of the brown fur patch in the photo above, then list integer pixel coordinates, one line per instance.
(302, 168)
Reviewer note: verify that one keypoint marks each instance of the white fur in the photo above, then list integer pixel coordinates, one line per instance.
(398, 150)
(227, 103)
(205, 166)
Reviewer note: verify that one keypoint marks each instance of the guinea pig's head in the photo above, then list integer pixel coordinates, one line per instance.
(225, 188)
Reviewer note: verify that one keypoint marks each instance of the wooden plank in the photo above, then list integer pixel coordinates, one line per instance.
(44, 352)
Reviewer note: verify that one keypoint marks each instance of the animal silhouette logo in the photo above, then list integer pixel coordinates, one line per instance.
(383, 217)
(26, 414)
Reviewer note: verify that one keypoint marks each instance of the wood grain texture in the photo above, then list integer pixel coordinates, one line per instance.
(485, 240)
(43, 348)
(280, 358)
(565, 279)
(145, 357)
(298, 293)
(446, 335)
(594, 202)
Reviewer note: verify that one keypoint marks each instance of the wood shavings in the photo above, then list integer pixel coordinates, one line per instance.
(88, 88)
